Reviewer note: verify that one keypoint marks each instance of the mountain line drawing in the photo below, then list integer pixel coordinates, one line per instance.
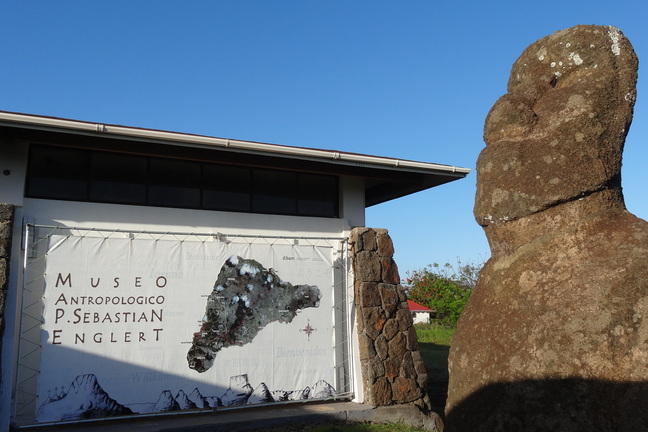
(86, 399)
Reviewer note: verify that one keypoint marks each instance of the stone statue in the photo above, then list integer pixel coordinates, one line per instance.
(555, 336)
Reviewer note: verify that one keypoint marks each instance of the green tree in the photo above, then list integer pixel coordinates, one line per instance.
(444, 289)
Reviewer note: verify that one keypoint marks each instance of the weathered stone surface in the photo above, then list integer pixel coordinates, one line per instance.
(434, 421)
(355, 238)
(369, 240)
(555, 136)
(404, 318)
(369, 294)
(6, 226)
(382, 393)
(374, 321)
(407, 369)
(5, 238)
(402, 296)
(366, 347)
(389, 297)
(385, 244)
(392, 369)
(419, 366)
(389, 270)
(366, 267)
(382, 349)
(412, 339)
(3, 272)
(377, 368)
(397, 347)
(6, 212)
(555, 335)
(405, 390)
(391, 329)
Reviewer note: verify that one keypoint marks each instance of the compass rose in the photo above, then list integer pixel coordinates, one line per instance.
(308, 330)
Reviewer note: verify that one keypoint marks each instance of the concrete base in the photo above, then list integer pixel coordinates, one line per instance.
(263, 418)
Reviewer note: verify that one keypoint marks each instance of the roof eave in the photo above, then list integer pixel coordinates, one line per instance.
(425, 174)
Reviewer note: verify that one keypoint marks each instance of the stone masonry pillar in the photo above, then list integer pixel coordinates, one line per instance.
(6, 228)
(392, 368)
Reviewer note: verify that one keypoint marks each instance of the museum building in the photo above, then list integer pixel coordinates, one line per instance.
(147, 272)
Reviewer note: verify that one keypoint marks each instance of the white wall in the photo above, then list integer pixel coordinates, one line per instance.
(421, 317)
(352, 202)
(114, 216)
(13, 157)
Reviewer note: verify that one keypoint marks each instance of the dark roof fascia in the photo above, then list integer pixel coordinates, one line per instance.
(385, 178)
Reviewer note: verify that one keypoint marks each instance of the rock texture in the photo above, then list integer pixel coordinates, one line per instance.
(555, 336)
(392, 368)
(6, 226)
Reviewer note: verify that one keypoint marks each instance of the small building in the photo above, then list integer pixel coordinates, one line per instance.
(420, 313)
(146, 271)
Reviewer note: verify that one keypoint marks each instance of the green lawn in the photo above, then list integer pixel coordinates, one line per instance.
(433, 333)
(434, 345)
(356, 427)
(365, 427)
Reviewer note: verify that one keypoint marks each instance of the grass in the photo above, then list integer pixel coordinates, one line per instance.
(366, 427)
(434, 346)
(354, 427)
(433, 333)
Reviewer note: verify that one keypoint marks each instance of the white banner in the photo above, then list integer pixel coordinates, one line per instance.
(142, 325)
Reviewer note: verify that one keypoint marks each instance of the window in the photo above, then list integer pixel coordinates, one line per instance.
(118, 178)
(174, 183)
(317, 195)
(58, 174)
(99, 176)
(227, 188)
(274, 192)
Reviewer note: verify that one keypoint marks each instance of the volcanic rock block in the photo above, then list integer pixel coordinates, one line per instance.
(555, 335)
(246, 297)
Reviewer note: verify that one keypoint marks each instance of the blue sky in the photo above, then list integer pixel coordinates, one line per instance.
(405, 79)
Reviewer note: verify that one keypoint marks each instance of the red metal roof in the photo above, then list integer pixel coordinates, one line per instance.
(415, 307)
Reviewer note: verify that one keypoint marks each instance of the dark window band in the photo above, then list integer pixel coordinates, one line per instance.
(116, 178)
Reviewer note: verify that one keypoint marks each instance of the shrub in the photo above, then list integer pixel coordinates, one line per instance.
(444, 289)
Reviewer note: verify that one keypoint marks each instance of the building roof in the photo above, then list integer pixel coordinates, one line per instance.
(385, 178)
(415, 307)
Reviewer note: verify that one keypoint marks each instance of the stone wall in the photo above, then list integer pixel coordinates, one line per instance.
(6, 228)
(392, 368)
